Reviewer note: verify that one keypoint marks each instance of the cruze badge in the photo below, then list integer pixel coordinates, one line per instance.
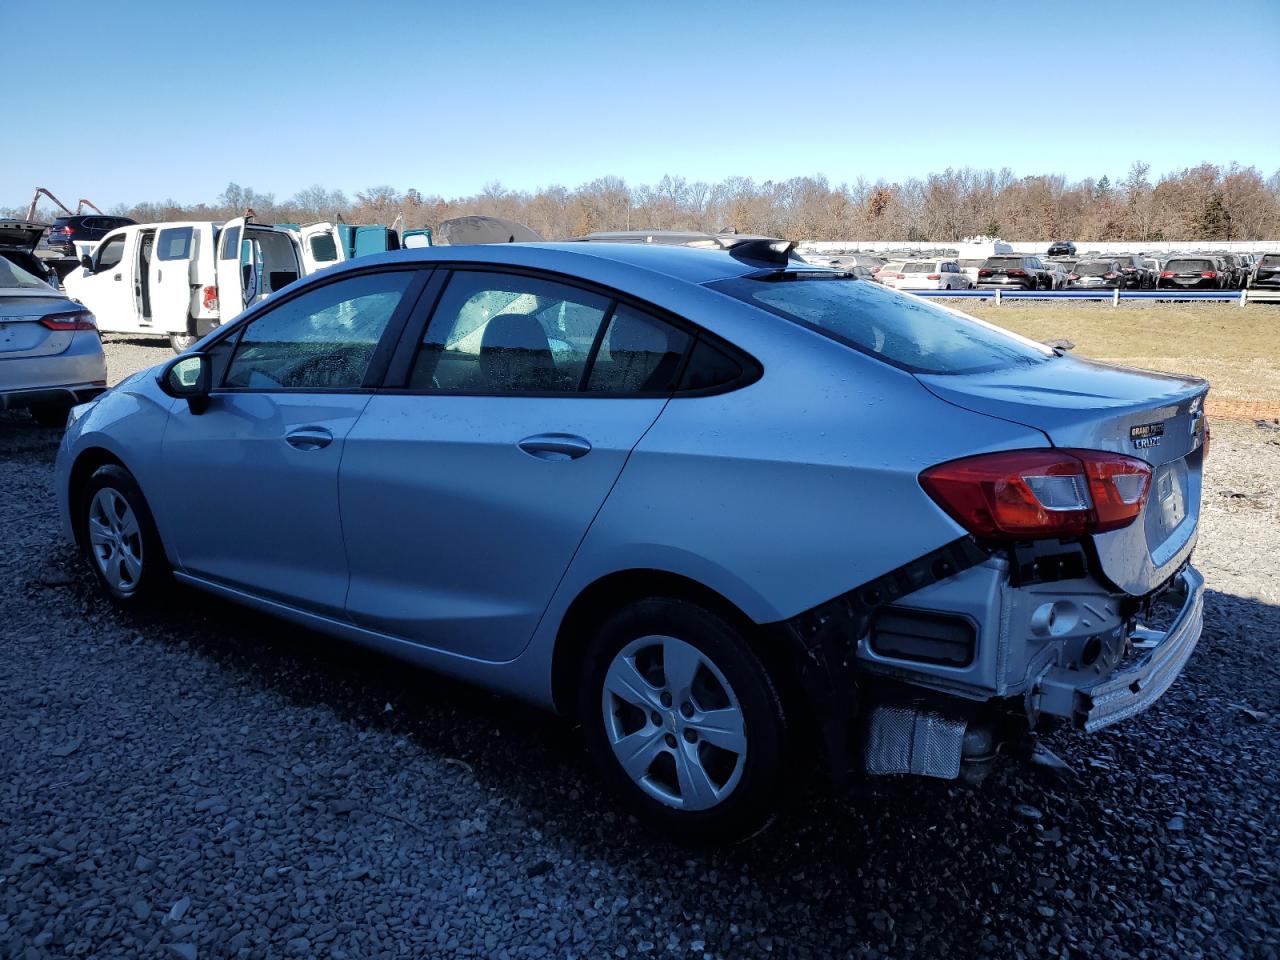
(1146, 435)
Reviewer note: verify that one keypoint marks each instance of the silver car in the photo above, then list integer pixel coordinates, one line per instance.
(50, 351)
(741, 516)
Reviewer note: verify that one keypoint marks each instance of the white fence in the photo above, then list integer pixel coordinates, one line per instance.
(1039, 247)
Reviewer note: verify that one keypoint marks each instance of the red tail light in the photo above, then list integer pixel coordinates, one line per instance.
(984, 272)
(1073, 276)
(1037, 494)
(899, 276)
(1110, 276)
(79, 320)
(934, 276)
(1210, 275)
(210, 298)
(1167, 273)
(1016, 272)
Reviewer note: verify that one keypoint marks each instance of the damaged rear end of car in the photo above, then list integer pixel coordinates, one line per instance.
(1078, 603)
(1067, 595)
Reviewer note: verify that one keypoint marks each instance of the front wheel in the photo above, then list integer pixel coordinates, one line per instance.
(684, 722)
(118, 537)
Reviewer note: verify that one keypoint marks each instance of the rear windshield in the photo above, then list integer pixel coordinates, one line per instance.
(921, 266)
(12, 275)
(1095, 269)
(970, 263)
(906, 332)
(1003, 262)
(1271, 260)
(1188, 266)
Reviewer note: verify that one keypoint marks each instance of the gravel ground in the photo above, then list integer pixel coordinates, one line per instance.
(210, 783)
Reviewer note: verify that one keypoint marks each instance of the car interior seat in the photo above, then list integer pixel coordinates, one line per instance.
(515, 354)
(640, 358)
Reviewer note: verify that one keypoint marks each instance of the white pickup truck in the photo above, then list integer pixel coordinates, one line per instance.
(180, 280)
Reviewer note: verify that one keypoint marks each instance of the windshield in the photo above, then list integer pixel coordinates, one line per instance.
(12, 275)
(1188, 266)
(1095, 269)
(904, 331)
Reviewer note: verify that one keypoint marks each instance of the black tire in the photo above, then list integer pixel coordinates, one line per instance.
(155, 575)
(182, 341)
(752, 803)
(51, 414)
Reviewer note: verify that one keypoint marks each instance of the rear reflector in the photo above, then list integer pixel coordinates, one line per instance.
(79, 320)
(1034, 494)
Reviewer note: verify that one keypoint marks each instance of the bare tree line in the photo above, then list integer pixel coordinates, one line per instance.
(1206, 202)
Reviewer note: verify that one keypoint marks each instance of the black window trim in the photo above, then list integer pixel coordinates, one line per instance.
(396, 381)
(382, 353)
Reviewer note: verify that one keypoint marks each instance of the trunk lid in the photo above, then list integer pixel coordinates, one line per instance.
(20, 236)
(1080, 403)
(21, 332)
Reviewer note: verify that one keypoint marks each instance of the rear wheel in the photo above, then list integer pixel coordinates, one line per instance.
(118, 537)
(684, 722)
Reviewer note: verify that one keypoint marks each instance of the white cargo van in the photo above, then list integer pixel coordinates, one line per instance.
(180, 280)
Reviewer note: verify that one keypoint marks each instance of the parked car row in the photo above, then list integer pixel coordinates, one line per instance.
(1058, 269)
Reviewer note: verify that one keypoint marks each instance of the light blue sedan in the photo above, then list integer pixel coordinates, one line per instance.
(742, 517)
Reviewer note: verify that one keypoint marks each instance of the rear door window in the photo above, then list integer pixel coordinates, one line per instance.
(639, 354)
(906, 332)
(495, 333)
(174, 243)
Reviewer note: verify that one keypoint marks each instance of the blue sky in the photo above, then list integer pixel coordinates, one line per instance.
(176, 99)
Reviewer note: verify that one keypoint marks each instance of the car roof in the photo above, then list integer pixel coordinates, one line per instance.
(602, 262)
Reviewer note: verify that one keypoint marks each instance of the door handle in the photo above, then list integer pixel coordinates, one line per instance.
(309, 438)
(555, 446)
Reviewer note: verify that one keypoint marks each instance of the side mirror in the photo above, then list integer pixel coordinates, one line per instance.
(87, 262)
(188, 377)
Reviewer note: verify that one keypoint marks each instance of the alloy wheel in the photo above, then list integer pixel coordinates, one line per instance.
(674, 722)
(116, 540)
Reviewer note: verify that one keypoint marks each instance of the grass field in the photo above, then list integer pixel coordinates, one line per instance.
(1237, 349)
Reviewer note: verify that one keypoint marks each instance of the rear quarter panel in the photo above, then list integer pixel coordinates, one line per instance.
(788, 492)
